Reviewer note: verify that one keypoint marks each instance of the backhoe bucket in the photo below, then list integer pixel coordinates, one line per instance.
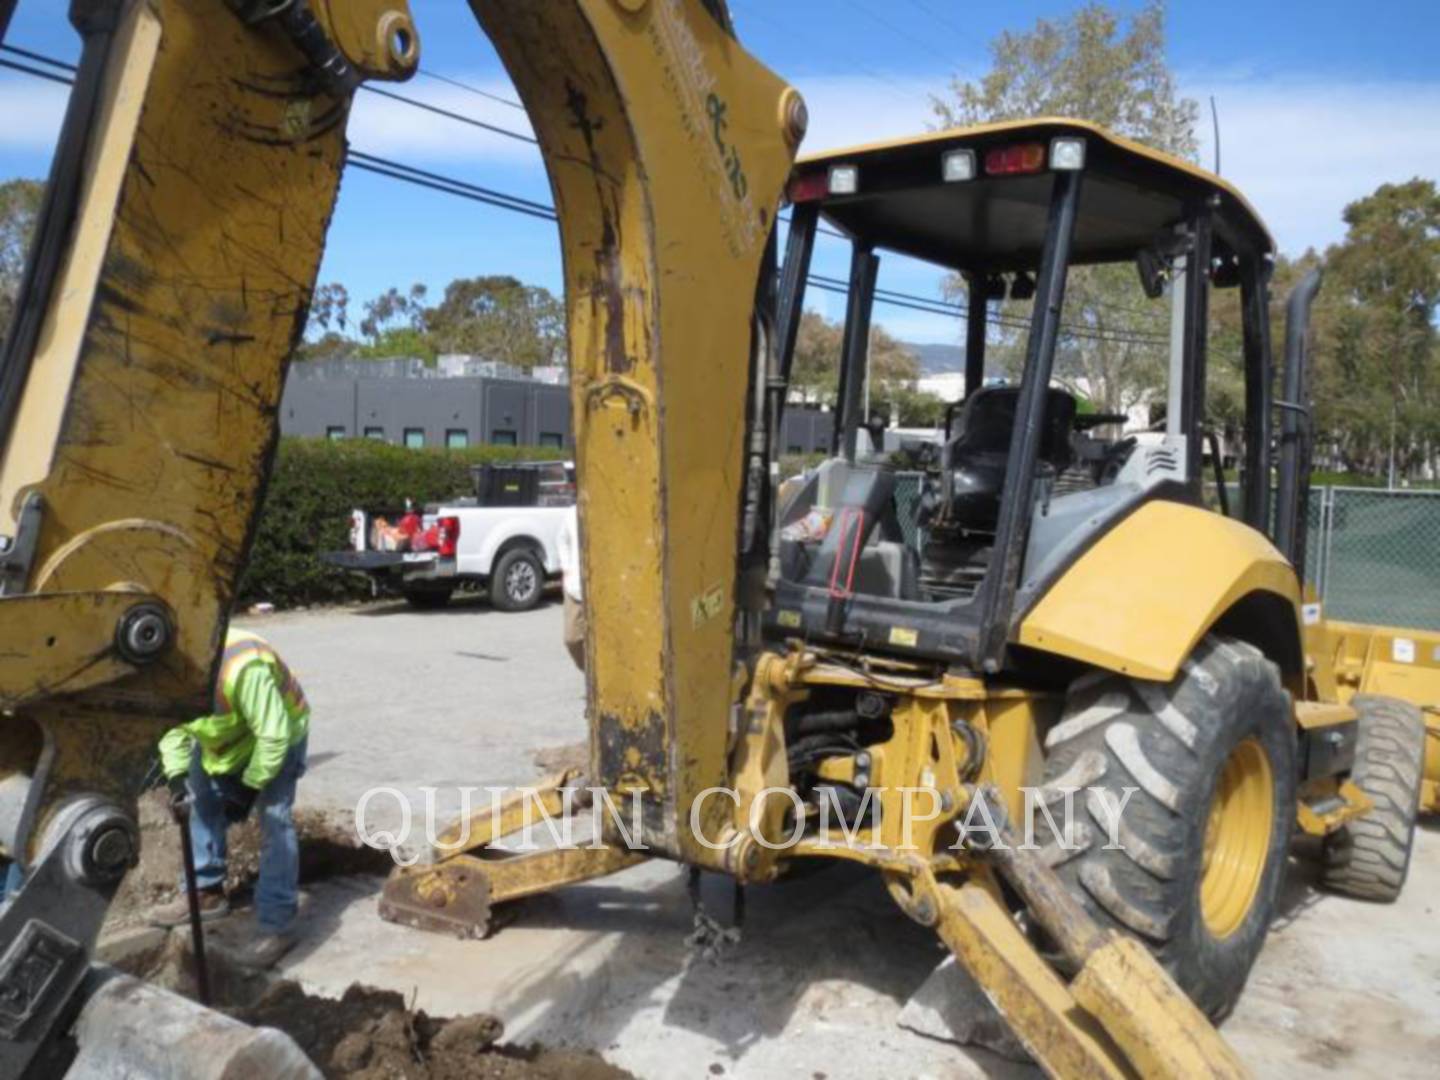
(456, 889)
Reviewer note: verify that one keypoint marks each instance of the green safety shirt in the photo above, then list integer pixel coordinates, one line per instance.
(260, 713)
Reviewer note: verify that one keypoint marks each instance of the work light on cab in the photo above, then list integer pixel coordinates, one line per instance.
(844, 179)
(958, 166)
(1067, 155)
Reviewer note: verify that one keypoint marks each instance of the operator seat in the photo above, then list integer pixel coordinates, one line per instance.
(863, 548)
(973, 463)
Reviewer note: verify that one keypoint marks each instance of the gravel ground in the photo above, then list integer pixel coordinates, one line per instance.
(466, 697)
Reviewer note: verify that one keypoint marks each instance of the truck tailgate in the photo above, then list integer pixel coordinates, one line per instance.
(381, 560)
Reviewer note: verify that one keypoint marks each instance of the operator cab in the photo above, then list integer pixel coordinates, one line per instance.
(940, 559)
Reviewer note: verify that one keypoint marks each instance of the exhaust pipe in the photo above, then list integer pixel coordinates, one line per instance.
(1296, 427)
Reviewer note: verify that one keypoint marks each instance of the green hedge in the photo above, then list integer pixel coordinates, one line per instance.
(314, 486)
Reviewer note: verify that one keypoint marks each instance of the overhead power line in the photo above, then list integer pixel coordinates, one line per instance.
(458, 117)
(1010, 322)
(448, 185)
(891, 23)
(448, 114)
(39, 58)
(851, 62)
(427, 73)
(940, 19)
(27, 70)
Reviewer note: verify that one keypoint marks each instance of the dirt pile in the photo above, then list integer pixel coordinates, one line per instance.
(371, 1035)
(367, 1034)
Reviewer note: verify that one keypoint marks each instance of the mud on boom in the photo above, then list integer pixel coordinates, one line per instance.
(1062, 611)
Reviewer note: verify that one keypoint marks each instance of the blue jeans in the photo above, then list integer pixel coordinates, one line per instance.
(277, 894)
(11, 881)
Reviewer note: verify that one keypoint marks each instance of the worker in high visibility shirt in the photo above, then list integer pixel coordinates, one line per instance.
(247, 755)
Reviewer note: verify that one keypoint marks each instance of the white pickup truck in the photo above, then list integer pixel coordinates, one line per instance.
(502, 539)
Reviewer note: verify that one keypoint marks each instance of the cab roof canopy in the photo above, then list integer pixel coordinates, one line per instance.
(1131, 198)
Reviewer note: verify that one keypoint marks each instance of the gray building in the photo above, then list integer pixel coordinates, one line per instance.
(409, 404)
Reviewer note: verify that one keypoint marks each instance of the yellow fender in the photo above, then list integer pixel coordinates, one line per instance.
(1143, 596)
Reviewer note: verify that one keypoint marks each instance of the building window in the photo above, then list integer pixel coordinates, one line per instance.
(796, 450)
(415, 438)
(503, 437)
(456, 438)
(335, 434)
(376, 433)
(551, 438)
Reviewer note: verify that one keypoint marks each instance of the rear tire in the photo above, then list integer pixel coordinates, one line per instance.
(517, 581)
(428, 597)
(1369, 858)
(1204, 838)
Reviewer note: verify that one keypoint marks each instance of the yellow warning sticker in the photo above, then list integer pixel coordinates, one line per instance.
(904, 637)
(790, 618)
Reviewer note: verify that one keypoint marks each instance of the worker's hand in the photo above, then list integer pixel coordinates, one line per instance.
(179, 798)
(239, 800)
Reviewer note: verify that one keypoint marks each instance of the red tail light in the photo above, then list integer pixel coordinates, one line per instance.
(1014, 160)
(809, 187)
(449, 536)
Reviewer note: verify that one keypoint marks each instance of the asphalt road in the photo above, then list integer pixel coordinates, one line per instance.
(466, 697)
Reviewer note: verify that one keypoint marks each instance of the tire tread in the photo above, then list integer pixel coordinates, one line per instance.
(1369, 858)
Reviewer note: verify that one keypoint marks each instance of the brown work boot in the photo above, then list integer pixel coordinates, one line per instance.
(213, 905)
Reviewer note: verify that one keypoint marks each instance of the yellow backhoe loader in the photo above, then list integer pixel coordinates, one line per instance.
(845, 676)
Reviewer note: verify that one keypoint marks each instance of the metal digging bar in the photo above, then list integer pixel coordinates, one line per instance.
(192, 896)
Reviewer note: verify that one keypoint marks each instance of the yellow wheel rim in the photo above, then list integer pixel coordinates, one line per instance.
(1237, 838)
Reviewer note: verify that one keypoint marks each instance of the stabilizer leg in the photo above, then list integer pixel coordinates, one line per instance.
(1040, 1009)
(1120, 1015)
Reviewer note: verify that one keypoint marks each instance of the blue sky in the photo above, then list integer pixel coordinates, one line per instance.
(1319, 101)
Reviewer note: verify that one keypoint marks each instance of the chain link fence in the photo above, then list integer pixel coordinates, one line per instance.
(1375, 555)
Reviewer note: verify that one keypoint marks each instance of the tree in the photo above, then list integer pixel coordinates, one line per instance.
(326, 334)
(396, 324)
(330, 309)
(1079, 67)
(19, 207)
(499, 318)
(495, 318)
(815, 371)
(1377, 389)
(1088, 67)
(894, 372)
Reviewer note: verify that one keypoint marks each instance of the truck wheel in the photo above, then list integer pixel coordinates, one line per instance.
(1369, 857)
(428, 597)
(1194, 861)
(517, 581)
